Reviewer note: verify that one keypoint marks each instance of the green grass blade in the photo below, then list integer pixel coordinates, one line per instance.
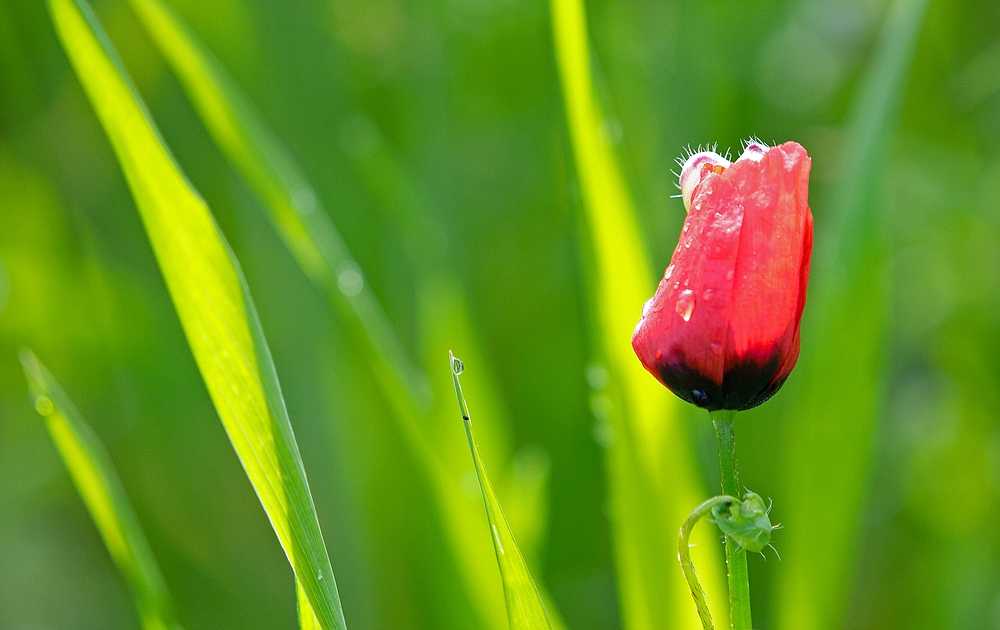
(289, 199)
(102, 492)
(652, 478)
(525, 610)
(213, 304)
(305, 227)
(833, 415)
(307, 619)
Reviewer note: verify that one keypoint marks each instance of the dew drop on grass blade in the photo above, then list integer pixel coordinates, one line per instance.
(652, 477)
(525, 609)
(833, 410)
(96, 480)
(214, 306)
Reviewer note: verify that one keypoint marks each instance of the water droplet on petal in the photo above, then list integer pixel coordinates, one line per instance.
(716, 348)
(729, 275)
(700, 398)
(659, 355)
(708, 295)
(647, 306)
(666, 274)
(685, 304)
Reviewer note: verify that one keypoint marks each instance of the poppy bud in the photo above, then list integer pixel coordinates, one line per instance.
(722, 330)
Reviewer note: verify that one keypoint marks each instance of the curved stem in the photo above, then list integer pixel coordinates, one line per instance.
(736, 556)
(687, 565)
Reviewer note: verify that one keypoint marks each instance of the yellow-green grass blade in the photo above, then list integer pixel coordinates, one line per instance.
(305, 227)
(307, 619)
(214, 306)
(525, 609)
(94, 476)
(652, 479)
(288, 197)
(833, 415)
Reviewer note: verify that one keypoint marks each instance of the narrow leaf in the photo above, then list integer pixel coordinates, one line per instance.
(94, 476)
(213, 304)
(652, 478)
(304, 225)
(291, 203)
(525, 610)
(833, 416)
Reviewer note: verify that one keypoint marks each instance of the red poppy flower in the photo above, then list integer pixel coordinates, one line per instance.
(722, 330)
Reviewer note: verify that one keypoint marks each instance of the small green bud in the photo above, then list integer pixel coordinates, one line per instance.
(747, 522)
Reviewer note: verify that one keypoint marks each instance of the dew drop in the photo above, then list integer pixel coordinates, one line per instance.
(456, 365)
(700, 398)
(716, 348)
(647, 306)
(43, 405)
(496, 537)
(319, 575)
(659, 355)
(708, 295)
(603, 433)
(668, 272)
(729, 274)
(349, 278)
(597, 376)
(685, 304)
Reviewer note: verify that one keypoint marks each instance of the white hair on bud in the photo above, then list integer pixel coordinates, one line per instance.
(697, 166)
(753, 149)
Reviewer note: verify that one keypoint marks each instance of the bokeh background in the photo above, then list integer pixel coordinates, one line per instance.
(452, 110)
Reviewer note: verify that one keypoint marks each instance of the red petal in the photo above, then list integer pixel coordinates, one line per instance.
(773, 260)
(685, 327)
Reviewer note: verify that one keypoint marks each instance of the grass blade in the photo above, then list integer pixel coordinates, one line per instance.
(102, 492)
(307, 231)
(833, 415)
(525, 610)
(213, 304)
(652, 478)
(289, 199)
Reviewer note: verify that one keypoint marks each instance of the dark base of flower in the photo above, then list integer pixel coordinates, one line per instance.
(744, 385)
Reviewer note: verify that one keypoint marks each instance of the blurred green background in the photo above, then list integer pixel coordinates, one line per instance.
(452, 109)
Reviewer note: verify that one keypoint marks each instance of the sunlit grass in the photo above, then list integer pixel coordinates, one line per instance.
(214, 307)
(651, 474)
(102, 492)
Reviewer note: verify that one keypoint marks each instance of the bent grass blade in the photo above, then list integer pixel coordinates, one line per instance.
(833, 415)
(525, 609)
(213, 304)
(304, 225)
(94, 476)
(652, 478)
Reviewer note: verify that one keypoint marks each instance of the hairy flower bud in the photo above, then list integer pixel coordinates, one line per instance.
(722, 330)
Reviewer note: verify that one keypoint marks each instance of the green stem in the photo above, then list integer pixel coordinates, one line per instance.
(736, 556)
(687, 565)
